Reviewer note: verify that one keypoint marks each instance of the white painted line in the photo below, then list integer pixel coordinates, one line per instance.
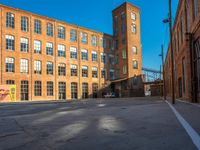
(190, 131)
(197, 105)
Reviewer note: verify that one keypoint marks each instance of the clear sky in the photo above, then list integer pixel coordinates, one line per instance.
(96, 14)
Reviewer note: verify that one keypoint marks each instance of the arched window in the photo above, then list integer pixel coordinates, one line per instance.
(135, 64)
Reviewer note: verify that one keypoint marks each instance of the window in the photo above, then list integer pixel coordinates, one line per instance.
(116, 26)
(37, 26)
(49, 49)
(135, 64)
(111, 59)
(84, 90)
(111, 46)
(112, 74)
(24, 66)
(94, 56)
(84, 54)
(188, 15)
(84, 38)
(182, 28)
(73, 35)
(49, 29)
(73, 53)
(61, 69)
(117, 74)
(103, 58)
(133, 28)
(74, 70)
(196, 8)
(10, 82)
(124, 53)
(135, 80)
(61, 32)
(123, 27)
(104, 43)
(24, 90)
(62, 90)
(94, 72)
(123, 39)
(24, 24)
(37, 47)
(94, 40)
(74, 90)
(49, 88)
(24, 45)
(10, 64)
(124, 69)
(84, 71)
(101, 42)
(94, 90)
(197, 51)
(10, 42)
(117, 59)
(134, 50)
(133, 16)
(38, 88)
(184, 74)
(103, 73)
(49, 68)
(61, 50)
(10, 20)
(116, 44)
(37, 67)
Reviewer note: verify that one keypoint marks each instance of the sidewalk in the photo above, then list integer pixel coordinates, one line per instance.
(190, 112)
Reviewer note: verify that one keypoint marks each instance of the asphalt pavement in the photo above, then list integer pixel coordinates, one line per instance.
(111, 124)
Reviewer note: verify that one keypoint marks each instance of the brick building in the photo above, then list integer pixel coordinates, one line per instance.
(186, 50)
(49, 59)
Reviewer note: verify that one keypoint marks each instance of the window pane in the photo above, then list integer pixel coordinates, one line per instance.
(10, 42)
(37, 47)
(38, 88)
(24, 66)
(10, 20)
(24, 24)
(24, 47)
(10, 65)
(61, 50)
(73, 35)
(37, 26)
(49, 29)
(61, 32)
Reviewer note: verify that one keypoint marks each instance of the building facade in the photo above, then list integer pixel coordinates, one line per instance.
(128, 51)
(186, 51)
(49, 59)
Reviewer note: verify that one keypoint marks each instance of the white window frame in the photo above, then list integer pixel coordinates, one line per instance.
(134, 50)
(24, 65)
(37, 66)
(133, 16)
(37, 47)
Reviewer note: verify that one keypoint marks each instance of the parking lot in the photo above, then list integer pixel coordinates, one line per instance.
(102, 124)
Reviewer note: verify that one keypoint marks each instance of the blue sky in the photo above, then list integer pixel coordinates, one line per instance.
(96, 14)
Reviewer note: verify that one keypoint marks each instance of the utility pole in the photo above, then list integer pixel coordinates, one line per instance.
(169, 20)
(162, 54)
(172, 53)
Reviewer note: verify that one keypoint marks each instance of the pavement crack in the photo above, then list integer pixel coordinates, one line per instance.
(8, 135)
(22, 128)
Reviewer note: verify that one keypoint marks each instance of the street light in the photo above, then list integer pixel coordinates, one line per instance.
(169, 20)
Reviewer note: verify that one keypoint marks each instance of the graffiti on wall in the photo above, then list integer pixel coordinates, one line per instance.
(7, 93)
